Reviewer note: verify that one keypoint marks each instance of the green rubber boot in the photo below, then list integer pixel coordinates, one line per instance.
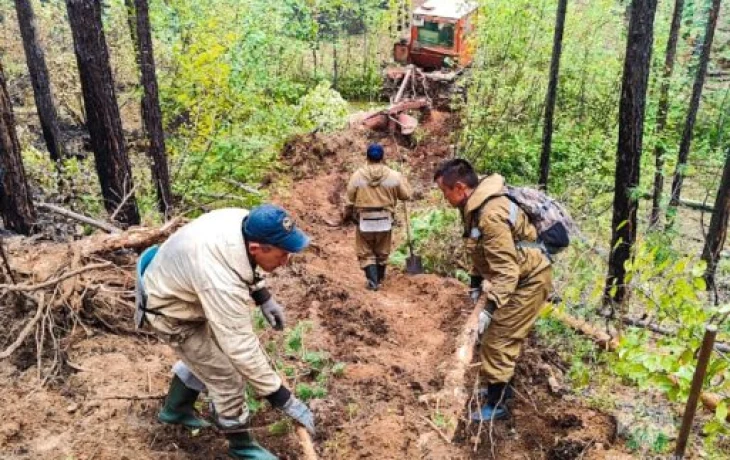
(179, 406)
(242, 446)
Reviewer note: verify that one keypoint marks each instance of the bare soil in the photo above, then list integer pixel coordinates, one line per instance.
(397, 344)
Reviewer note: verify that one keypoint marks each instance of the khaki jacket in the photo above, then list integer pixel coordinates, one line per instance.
(202, 274)
(376, 186)
(491, 240)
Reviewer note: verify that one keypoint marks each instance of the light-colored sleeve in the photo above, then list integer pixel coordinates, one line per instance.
(352, 189)
(501, 254)
(404, 189)
(229, 317)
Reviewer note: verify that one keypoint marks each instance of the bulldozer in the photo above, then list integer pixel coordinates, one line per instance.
(434, 54)
(429, 61)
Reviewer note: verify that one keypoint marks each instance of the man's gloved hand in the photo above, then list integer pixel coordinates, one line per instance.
(485, 317)
(299, 411)
(475, 287)
(274, 313)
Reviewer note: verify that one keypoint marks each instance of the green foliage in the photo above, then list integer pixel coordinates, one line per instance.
(281, 427)
(504, 115)
(643, 439)
(322, 108)
(305, 391)
(435, 234)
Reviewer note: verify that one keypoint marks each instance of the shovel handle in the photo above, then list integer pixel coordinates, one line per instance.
(408, 228)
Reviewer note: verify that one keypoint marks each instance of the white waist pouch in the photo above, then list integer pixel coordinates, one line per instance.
(375, 221)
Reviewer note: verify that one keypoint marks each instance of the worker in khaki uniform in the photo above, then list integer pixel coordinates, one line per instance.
(195, 292)
(502, 244)
(372, 194)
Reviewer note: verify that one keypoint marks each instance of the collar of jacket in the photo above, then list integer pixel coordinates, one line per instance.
(251, 261)
(487, 188)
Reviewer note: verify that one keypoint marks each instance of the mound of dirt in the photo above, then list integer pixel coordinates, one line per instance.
(317, 152)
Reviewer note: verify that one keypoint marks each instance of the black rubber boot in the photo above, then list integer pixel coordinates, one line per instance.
(508, 391)
(179, 408)
(495, 407)
(371, 273)
(242, 446)
(381, 273)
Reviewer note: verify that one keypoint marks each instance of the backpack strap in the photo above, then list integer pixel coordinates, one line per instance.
(514, 209)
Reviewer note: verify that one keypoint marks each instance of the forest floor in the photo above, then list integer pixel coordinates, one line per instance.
(396, 345)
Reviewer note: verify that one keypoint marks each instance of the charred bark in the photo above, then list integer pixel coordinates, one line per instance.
(102, 112)
(16, 205)
(36, 61)
(630, 139)
(552, 91)
(151, 113)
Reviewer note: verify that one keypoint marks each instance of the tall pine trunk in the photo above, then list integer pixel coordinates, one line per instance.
(102, 112)
(152, 115)
(38, 71)
(552, 91)
(661, 120)
(16, 205)
(717, 233)
(630, 139)
(694, 105)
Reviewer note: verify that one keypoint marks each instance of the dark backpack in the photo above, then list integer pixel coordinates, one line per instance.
(551, 220)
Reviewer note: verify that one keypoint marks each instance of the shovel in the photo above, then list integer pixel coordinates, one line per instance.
(414, 264)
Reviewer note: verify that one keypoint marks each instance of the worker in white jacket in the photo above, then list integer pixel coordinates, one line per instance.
(195, 293)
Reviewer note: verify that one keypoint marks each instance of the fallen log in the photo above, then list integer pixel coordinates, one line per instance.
(691, 204)
(79, 217)
(454, 393)
(709, 400)
(134, 238)
(645, 324)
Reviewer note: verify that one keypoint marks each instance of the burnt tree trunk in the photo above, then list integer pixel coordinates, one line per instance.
(694, 105)
(38, 71)
(102, 112)
(16, 205)
(151, 113)
(630, 138)
(552, 91)
(661, 121)
(717, 232)
(132, 23)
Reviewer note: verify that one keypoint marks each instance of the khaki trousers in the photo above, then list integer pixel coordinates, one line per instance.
(510, 325)
(372, 247)
(198, 349)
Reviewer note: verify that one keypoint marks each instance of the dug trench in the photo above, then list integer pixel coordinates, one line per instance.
(396, 345)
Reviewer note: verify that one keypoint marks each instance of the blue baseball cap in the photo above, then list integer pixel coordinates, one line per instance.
(375, 152)
(270, 224)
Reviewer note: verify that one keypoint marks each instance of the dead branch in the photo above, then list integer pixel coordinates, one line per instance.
(54, 281)
(79, 217)
(242, 186)
(26, 330)
(435, 428)
(133, 398)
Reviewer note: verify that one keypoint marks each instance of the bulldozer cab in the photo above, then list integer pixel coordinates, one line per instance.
(439, 35)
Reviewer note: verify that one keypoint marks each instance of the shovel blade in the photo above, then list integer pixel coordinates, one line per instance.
(414, 265)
